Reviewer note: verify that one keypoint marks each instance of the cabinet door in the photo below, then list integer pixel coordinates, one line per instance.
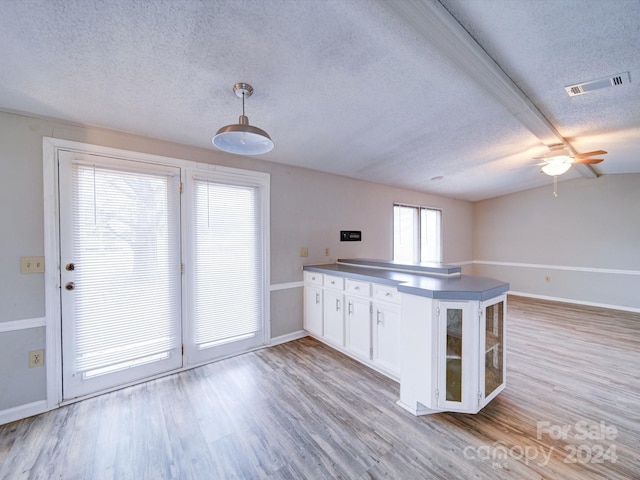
(457, 356)
(386, 336)
(334, 317)
(313, 309)
(358, 326)
(492, 339)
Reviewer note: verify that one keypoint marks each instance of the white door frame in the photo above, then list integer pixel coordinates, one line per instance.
(53, 328)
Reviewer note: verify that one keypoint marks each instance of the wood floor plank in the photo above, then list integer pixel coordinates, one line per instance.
(301, 410)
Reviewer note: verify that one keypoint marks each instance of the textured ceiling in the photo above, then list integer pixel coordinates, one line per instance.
(360, 88)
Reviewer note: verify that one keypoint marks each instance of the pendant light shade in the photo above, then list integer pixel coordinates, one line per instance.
(242, 138)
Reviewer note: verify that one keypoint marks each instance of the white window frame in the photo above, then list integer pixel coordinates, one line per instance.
(417, 252)
(51, 146)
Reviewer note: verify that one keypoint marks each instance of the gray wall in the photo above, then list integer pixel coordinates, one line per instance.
(592, 227)
(307, 210)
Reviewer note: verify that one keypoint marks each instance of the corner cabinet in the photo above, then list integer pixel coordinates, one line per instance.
(471, 354)
(453, 354)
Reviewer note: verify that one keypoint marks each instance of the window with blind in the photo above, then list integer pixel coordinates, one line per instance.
(416, 234)
(228, 281)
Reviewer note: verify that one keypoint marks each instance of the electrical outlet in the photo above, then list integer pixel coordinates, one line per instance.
(304, 252)
(32, 265)
(36, 358)
(326, 251)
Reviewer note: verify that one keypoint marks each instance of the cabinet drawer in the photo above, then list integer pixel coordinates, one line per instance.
(357, 288)
(313, 278)
(333, 282)
(386, 293)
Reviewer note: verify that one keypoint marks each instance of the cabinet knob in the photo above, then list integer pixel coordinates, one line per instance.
(70, 286)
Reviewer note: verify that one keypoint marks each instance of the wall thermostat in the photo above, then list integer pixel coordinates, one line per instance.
(350, 235)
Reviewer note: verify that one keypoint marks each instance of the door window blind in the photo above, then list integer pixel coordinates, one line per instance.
(126, 254)
(228, 262)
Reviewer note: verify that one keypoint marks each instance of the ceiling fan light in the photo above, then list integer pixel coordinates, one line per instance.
(556, 168)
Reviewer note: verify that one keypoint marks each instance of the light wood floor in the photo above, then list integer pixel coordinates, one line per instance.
(301, 410)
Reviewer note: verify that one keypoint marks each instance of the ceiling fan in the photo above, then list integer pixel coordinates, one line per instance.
(559, 160)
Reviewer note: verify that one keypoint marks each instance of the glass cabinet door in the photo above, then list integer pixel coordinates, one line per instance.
(453, 380)
(456, 353)
(494, 350)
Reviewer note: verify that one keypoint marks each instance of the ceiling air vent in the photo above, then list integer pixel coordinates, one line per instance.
(586, 87)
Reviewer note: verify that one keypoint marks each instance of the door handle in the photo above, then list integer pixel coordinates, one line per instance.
(70, 286)
(378, 320)
(70, 267)
(337, 305)
(317, 298)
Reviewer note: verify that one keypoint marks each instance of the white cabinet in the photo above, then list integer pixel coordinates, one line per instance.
(313, 303)
(358, 319)
(334, 317)
(471, 358)
(430, 328)
(453, 354)
(386, 336)
(333, 311)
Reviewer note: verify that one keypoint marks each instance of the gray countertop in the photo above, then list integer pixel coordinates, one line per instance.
(459, 287)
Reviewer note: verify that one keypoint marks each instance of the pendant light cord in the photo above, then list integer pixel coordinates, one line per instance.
(243, 94)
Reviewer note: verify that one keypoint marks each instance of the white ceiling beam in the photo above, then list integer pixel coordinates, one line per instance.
(433, 22)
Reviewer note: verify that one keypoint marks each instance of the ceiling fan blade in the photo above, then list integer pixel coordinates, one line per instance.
(590, 154)
(591, 161)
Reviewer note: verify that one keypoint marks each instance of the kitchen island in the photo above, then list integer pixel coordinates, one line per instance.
(439, 333)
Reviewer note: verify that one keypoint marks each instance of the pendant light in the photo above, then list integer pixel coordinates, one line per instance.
(242, 138)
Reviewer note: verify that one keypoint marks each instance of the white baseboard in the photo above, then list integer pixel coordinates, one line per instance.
(576, 302)
(289, 337)
(23, 411)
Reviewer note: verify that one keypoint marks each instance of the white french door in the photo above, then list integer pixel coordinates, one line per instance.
(120, 271)
(155, 277)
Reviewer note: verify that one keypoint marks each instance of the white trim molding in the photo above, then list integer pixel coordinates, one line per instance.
(285, 286)
(616, 271)
(23, 411)
(575, 302)
(289, 337)
(14, 325)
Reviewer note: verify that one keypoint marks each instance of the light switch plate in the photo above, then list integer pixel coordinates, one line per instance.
(32, 264)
